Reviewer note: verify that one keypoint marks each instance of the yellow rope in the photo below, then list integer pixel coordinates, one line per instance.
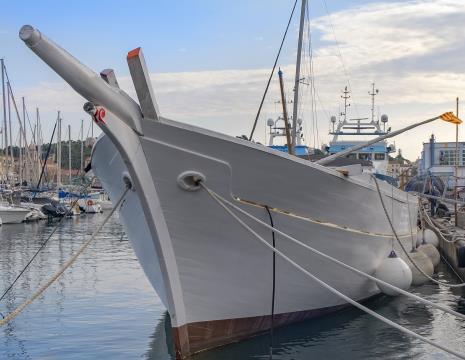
(319, 222)
(44, 287)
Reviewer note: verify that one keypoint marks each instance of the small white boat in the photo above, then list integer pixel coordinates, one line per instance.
(90, 206)
(35, 212)
(102, 199)
(12, 214)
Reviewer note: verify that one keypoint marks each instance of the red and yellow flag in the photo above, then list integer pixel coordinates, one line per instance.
(450, 117)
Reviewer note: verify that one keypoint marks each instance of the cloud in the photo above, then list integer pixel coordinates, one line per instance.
(412, 49)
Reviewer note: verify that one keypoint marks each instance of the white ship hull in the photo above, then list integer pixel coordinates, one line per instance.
(213, 276)
(90, 206)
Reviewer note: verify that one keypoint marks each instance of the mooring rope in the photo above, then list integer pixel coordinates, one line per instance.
(455, 237)
(336, 261)
(42, 246)
(410, 223)
(422, 212)
(402, 245)
(327, 286)
(320, 222)
(55, 276)
(272, 72)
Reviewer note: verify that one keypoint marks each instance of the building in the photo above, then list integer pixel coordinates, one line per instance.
(439, 159)
(397, 167)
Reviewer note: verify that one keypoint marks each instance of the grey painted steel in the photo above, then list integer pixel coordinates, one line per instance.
(86, 82)
(141, 79)
(110, 78)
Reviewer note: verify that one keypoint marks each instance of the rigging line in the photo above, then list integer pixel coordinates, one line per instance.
(46, 158)
(273, 296)
(272, 73)
(88, 130)
(21, 127)
(30, 127)
(410, 222)
(14, 103)
(43, 244)
(322, 105)
(346, 73)
(312, 82)
(451, 267)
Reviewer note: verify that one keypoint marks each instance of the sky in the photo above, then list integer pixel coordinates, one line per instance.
(210, 60)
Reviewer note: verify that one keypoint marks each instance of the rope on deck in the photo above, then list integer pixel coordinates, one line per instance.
(55, 276)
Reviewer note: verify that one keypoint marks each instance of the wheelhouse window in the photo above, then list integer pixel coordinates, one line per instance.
(380, 156)
(352, 156)
(447, 157)
(364, 156)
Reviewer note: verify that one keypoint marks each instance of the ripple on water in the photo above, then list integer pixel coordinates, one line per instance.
(103, 307)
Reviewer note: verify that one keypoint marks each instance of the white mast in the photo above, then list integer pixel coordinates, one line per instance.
(69, 153)
(373, 93)
(59, 151)
(4, 107)
(297, 74)
(38, 142)
(26, 148)
(82, 146)
(346, 97)
(20, 149)
(12, 159)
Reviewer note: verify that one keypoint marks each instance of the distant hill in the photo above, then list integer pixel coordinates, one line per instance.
(75, 153)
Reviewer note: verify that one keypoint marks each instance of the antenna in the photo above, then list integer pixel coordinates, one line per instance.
(346, 97)
(373, 93)
(333, 121)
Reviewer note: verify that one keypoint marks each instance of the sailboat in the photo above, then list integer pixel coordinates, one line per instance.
(217, 282)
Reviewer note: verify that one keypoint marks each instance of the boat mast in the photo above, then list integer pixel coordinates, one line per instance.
(69, 152)
(12, 159)
(286, 120)
(82, 146)
(59, 151)
(4, 108)
(297, 75)
(20, 149)
(26, 147)
(346, 97)
(38, 142)
(373, 93)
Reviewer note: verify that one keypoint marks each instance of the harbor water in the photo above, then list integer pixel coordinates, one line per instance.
(104, 308)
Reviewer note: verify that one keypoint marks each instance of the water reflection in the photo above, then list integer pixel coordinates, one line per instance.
(348, 334)
(161, 344)
(103, 307)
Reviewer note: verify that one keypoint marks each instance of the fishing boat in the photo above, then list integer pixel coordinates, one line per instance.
(217, 282)
(373, 158)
